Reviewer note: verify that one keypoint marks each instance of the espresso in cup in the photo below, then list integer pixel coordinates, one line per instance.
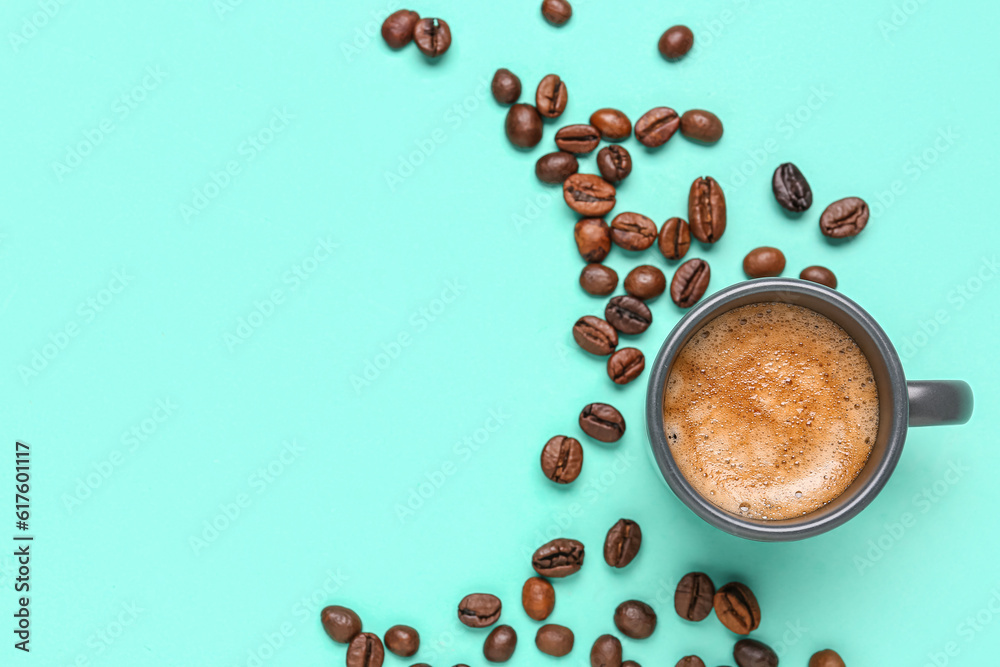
(770, 410)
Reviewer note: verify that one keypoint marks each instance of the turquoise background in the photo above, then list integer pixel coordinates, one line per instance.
(285, 201)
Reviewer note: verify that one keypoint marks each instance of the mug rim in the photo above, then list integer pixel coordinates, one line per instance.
(791, 529)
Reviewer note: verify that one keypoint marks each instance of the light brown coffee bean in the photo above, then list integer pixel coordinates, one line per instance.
(674, 238)
(819, 274)
(701, 125)
(612, 124)
(538, 597)
(589, 195)
(764, 262)
(707, 210)
(593, 239)
(633, 231)
(645, 282)
(551, 96)
(598, 279)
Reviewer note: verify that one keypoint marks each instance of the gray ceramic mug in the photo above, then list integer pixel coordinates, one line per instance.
(901, 404)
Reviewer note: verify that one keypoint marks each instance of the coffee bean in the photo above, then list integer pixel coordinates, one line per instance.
(644, 282)
(791, 188)
(551, 96)
(556, 167)
(365, 650)
(628, 314)
(843, 218)
(556, 12)
(633, 231)
(707, 210)
(506, 86)
(737, 608)
(397, 29)
(764, 262)
(631, 663)
(694, 596)
(589, 195)
(593, 239)
(626, 365)
(402, 640)
(523, 126)
(819, 274)
(500, 644)
(752, 653)
(612, 124)
(559, 558)
(676, 42)
(578, 139)
(690, 282)
(479, 610)
(701, 125)
(595, 335)
(656, 126)
(538, 598)
(562, 459)
(433, 37)
(622, 543)
(554, 640)
(635, 619)
(614, 163)
(341, 623)
(690, 661)
(598, 279)
(602, 422)
(606, 652)
(826, 658)
(675, 238)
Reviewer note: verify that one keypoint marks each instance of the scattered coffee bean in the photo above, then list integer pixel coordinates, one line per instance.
(701, 125)
(819, 274)
(764, 262)
(559, 558)
(675, 238)
(365, 650)
(551, 96)
(554, 640)
(578, 139)
(556, 167)
(631, 663)
(826, 658)
(595, 335)
(523, 126)
(341, 623)
(506, 86)
(589, 195)
(752, 653)
(538, 598)
(562, 459)
(397, 30)
(676, 42)
(612, 124)
(628, 314)
(606, 652)
(694, 596)
(656, 126)
(598, 279)
(602, 422)
(402, 640)
(690, 661)
(644, 282)
(626, 365)
(690, 282)
(614, 163)
(843, 218)
(500, 644)
(433, 37)
(707, 210)
(556, 12)
(622, 543)
(737, 608)
(593, 239)
(791, 188)
(635, 619)
(479, 610)
(633, 231)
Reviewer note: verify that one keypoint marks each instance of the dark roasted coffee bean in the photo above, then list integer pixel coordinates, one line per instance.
(602, 422)
(635, 619)
(622, 543)
(694, 596)
(341, 623)
(626, 365)
(674, 238)
(628, 314)
(633, 231)
(764, 262)
(791, 188)
(843, 218)
(595, 335)
(397, 30)
(523, 126)
(598, 279)
(606, 652)
(612, 124)
(365, 650)
(645, 282)
(402, 640)
(701, 125)
(593, 239)
(707, 210)
(589, 195)
(562, 459)
(506, 86)
(433, 37)
(554, 640)
(819, 274)
(538, 598)
(551, 96)
(690, 282)
(656, 126)
(676, 42)
(826, 658)
(556, 12)
(690, 661)
(737, 608)
(500, 644)
(479, 610)
(559, 558)
(614, 163)
(556, 167)
(578, 139)
(752, 653)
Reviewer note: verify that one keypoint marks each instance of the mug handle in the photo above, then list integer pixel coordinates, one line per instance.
(939, 402)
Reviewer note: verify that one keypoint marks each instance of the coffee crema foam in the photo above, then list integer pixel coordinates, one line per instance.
(770, 410)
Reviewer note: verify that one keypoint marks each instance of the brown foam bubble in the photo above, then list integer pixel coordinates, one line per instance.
(771, 410)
